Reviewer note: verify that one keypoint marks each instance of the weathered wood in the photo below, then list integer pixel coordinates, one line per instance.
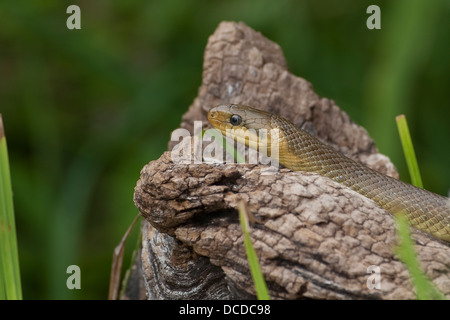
(315, 238)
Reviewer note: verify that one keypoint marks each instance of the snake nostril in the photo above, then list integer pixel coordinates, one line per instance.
(212, 114)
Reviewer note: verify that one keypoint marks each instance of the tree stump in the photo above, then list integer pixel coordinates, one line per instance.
(314, 237)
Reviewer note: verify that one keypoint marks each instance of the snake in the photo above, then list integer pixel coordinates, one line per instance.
(299, 150)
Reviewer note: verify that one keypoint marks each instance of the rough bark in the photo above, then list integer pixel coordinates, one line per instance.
(314, 237)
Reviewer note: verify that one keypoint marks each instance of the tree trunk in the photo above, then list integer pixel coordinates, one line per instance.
(314, 238)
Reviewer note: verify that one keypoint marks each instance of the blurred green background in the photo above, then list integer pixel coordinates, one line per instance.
(84, 110)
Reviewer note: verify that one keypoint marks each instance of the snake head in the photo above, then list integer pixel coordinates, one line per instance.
(244, 124)
(234, 116)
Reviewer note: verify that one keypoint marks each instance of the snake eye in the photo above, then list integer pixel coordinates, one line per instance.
(235, 120)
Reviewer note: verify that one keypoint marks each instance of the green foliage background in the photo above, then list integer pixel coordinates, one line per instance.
(84, 110)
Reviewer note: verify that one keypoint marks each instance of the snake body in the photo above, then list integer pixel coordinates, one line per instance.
(300, 151)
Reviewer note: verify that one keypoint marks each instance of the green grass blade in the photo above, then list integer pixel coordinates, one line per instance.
(260, 284)
(2, 284)
(116, 266)
(9, 261)
(128, 272)
(425, 290)
(408, 150)
(238, 157)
